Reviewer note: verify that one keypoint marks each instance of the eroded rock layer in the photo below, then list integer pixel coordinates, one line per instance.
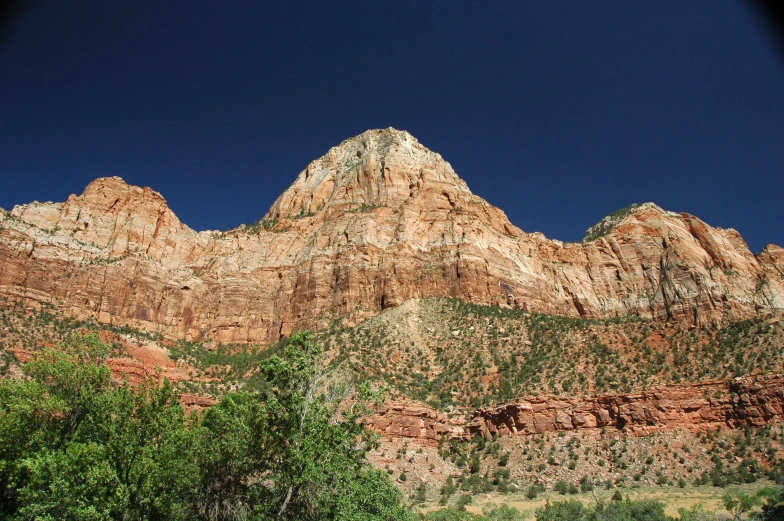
(695, 407)
(379, 219)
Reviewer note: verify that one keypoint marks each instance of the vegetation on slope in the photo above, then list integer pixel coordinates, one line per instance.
(453, 354)
(447, 352)
(568, 463)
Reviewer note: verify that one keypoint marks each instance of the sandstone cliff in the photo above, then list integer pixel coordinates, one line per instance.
(695, 407)
(379, 219)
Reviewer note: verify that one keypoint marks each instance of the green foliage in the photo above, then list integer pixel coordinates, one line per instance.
(739, 503)
(464, 500)
(489, 513)
(502, 513)
(76, 446)
(268, 225)
(363, 208)
(572, 510)
(696, 513)
(773, 510)
(533, 490)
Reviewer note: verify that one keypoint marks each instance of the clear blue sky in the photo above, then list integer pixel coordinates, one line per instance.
(557, 112)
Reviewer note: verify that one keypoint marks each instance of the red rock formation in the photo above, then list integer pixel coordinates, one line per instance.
(139, 360)
(378, 220)
(197, 403)
(693, 407)
(416, 421)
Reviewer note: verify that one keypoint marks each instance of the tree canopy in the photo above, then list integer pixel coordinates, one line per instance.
(76, 445)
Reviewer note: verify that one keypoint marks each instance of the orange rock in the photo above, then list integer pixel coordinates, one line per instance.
(745, 402)
(377, 220)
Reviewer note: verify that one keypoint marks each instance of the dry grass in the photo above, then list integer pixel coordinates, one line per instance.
(673, 498)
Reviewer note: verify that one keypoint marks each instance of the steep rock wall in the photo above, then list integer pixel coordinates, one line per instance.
(378, 220)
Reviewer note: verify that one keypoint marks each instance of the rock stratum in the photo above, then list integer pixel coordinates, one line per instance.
(707, 405)
(377, 220)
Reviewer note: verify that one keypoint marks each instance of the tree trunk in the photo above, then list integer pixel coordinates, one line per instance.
(285, 503)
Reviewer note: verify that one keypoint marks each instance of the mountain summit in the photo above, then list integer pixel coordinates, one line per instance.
(376, 168)
(377, 220)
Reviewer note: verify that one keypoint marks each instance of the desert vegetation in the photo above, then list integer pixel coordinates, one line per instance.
(449, 353)
(452, 354)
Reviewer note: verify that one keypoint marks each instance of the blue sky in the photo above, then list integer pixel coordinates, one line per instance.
(556, 112)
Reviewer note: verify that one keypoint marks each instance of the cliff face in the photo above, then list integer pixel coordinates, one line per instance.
(378, 220)
(695, 407)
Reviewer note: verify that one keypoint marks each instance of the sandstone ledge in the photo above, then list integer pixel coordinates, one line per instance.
(710, 405)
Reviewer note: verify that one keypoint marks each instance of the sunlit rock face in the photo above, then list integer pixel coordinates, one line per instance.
(377, 220)
(696, 407)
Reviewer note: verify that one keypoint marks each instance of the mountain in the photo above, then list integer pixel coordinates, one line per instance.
(378, 220)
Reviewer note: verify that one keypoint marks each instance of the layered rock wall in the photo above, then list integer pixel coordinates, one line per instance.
(378, 220)
(696, 407)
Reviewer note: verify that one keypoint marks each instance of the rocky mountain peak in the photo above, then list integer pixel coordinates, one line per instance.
(113, 193)
(604, 226)
(380, 167)
(378, 220)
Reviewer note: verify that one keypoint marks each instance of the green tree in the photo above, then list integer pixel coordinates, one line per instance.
(502, 513)
(571, 510)
(308, 444)
(73, 445)
(739, 503)
(229, 449)
(640, 510)
(773, 510)
(696, 513)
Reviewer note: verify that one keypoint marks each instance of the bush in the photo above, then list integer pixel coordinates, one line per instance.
(504, 459)
(464, 500)
(533, 490)
(421, 493)
(572, 510)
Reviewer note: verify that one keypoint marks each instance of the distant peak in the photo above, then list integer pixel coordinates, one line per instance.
(379, 167)
(110, 190)
(100, 182)
(604, 226)
(379, 142)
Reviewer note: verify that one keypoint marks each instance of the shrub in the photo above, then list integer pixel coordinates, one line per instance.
(464, 500)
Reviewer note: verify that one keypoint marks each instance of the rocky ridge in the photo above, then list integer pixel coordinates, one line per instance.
(376, 221)
(709, 405)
